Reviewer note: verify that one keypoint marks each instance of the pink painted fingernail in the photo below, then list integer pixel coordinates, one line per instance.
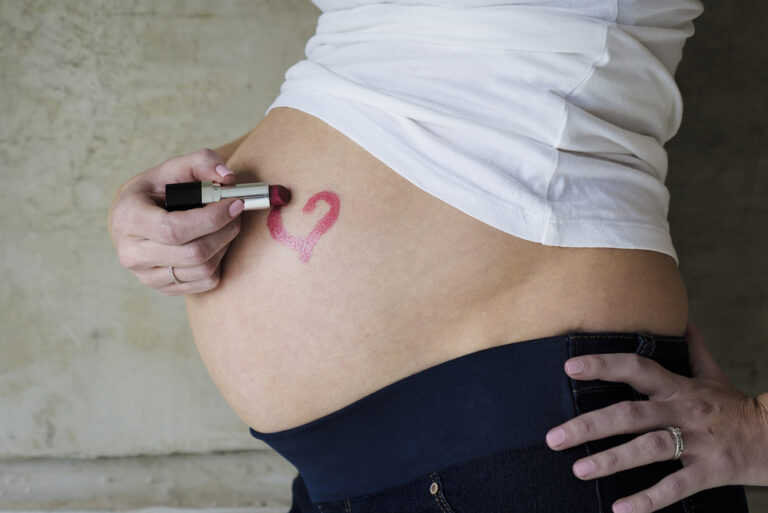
(574, 367)
(236, 207)
(223, 170)
(583, 468)
(556, 437)
(622, 507)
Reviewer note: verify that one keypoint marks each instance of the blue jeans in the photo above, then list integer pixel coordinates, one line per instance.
(467, 436)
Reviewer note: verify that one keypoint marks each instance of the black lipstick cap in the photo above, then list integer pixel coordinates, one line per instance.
(183, 196)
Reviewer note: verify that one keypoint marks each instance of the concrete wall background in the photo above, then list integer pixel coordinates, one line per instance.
(92, 92)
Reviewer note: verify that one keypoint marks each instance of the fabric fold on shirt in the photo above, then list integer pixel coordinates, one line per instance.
(546, 120)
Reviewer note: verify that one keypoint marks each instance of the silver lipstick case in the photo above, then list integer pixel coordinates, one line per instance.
(254, 195)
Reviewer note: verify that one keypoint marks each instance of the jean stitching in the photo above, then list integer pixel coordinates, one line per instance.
(443, 503)
(599, 387)
(601, 336)
(672, 344)
(574, 344)
(643, 347)
(439, 498)
(630, 337)
(439, 492)
(649, 344)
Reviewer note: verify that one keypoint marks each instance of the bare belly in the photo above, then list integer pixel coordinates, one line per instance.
(399, 282)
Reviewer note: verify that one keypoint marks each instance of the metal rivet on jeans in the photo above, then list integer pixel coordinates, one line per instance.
(433, 488)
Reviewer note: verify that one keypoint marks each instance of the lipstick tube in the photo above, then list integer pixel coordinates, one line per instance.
(257, 195)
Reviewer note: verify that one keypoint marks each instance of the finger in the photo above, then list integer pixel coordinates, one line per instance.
(202, 165)
(674, 487)
(619, 418)
(202, 271)
(148, 254)
(177, 228)
(192, 287)
(160, 277)
(643, 450)
(703, 364)
(641, 373)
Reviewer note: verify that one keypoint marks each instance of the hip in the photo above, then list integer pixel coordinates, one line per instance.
(468, 435)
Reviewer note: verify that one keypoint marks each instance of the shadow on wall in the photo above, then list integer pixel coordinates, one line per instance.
(718, 181)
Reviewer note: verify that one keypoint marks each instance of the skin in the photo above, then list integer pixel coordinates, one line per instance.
(276, 325)
(401, 282)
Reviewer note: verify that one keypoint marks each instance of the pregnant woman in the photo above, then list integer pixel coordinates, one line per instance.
(478, 200)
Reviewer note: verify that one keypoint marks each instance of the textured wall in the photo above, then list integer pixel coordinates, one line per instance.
(718, 181)
(92, 92)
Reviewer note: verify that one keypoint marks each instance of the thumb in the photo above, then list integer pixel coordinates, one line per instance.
(702, 363)
(200, 166)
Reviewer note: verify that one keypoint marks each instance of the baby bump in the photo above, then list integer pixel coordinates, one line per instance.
(364, 279)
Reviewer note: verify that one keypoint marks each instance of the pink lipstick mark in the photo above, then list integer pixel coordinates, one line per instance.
(305, 246)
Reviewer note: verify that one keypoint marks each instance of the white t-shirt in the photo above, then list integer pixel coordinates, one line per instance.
(543, 118)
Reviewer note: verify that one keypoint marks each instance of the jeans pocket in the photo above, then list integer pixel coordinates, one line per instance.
(628, 482)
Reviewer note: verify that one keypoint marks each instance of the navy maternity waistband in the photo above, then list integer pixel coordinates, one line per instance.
(499, 398)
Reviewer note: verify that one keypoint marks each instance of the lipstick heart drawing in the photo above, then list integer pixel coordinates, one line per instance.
(305, 246)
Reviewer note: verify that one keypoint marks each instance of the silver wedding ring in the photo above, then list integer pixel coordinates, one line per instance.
(173, 276)
(677, 436)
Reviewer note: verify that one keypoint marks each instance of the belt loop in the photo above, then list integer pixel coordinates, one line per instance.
(646, 344)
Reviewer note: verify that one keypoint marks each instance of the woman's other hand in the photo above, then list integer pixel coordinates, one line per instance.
(148, 239)
(725, 432)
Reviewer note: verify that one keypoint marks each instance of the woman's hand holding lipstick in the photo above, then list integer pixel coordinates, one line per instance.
(149, 239)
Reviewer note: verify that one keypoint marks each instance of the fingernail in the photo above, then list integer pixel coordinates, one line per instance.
(622, 507)
(236, 207)
(574, 367)
(223, 171)
(556, 437)
(583, 468)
